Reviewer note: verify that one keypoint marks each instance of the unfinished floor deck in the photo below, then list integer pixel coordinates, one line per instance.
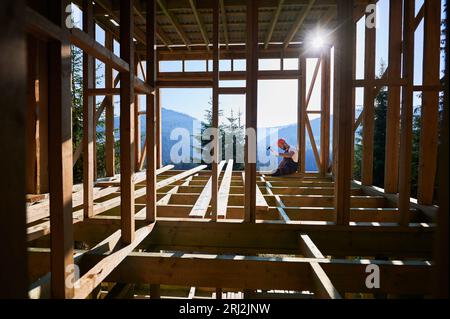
(294, 239)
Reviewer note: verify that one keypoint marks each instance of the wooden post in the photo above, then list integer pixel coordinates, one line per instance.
(137, 123)
(215, 112)
(159, 161)
(325, 114)
(441, 288)
(429, 128)
(344, 56)
(32, 116)
(251, 112)
(13, 74)
(109, 114)
(155, 292)
(37, 117)
(301, 113)
(127, 122)
(369, 108)
(60, 158)
(88, 114)
(406, 114)
(393, 107)
(151, 113)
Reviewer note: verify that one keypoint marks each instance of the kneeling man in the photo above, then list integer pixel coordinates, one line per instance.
(289, 163)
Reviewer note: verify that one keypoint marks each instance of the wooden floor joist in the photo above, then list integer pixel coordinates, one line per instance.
(201, 205)
(224, 190)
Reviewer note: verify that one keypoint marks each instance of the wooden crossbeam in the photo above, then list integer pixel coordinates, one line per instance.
(323, 287)
(273, 23)
(298, 23)
(313, 141)
(92, 278)
(313, 82)
(138, 177)
(201, 205)
(286, 273)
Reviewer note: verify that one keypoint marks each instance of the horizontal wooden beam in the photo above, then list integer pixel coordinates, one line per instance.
(359, 239)
(251, 272)
(41, 25)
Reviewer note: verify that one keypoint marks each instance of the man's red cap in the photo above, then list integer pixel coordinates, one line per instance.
(281, 142)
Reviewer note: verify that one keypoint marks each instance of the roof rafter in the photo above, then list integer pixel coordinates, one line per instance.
(273, 23)
(223, 17)
(200, 23)
(298, 23)
(173, 20)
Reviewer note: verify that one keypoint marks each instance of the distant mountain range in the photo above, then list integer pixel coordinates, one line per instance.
(173, 121)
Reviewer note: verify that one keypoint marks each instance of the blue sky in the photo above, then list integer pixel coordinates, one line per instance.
(277, 100)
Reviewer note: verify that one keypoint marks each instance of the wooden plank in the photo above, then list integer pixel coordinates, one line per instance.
(13, 74)
(251, 111)
(102, 269)
(232, 91)
(224, 190)
(273, 23)
(429, 129)
(151, 114)
(191, 294)
(406, 114)
(344, 56)
(60, 158)
(201, 205)
(88, 114)
(215, 115)
(369, 107)
(92, 47)
(308, 249)
(138, 177)
(173, 179)
(261, 204)
(286, 273)
(127, 122)
(393, 103)
(323, 287)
